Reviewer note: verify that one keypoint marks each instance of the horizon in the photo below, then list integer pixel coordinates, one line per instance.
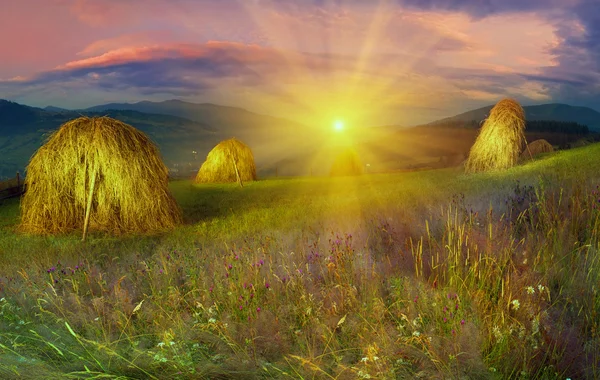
(263, 114)
(386, 63)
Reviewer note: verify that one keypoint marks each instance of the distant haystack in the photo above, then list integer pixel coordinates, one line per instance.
(535, 148)
(500, 140)
(98, 172)
(229, 161)
(347, 163)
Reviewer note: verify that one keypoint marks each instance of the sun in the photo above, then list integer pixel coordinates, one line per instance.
(338, 125)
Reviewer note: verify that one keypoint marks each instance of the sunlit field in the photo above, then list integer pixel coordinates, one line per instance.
(430, 274)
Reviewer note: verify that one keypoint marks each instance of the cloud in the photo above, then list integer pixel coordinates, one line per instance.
(317, 56)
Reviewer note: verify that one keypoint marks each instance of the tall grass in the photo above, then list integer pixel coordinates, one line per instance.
(430, 275)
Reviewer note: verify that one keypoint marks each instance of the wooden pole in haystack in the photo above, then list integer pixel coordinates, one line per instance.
(88, 208)
(237, 172)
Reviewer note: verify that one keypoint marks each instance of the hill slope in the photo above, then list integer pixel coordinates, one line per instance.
(554, 111)
(178, 128)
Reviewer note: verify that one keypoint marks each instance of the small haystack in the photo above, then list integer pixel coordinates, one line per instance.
(535, 148)
(347, 163)
(500, 139)
(229, 161)
(101, 173)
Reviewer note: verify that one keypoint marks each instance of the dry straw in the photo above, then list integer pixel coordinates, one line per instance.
(229, 161)
(500, 140)
(347, 163)
(535, 148)
(101, 171)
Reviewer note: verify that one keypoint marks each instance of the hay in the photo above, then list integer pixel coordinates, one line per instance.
(347, 163)
(500, 140)
(224, 160)
(130, 184)
(536, 147)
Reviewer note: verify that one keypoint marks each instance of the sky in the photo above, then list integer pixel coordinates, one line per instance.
(401, 62)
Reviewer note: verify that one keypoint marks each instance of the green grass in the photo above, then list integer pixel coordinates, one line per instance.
(432, 274)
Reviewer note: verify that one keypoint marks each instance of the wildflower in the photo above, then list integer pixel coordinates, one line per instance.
(416, 333)
(229, 266)
(261, 262)
(241, 307)
(416, 299)
(445, 319)
(541, 288)
(212, 320)
(267, 285)
(161, 344)
(462, 322)
(258, 309)
(160, 271)
(530, 290)
(516, 304)
(456, 307)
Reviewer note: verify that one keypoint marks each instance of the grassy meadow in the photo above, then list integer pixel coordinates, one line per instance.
(432, 274)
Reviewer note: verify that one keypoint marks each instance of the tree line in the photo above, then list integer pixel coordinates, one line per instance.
(554, 126)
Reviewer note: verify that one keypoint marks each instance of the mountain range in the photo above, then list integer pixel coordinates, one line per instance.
(553, 111)
(185, 132)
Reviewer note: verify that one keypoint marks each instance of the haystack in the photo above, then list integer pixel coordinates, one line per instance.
(98, 172)
(347, 163)
(500, 139)
(229, 161)
(535, 148)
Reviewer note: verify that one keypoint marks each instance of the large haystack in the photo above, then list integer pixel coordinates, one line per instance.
(99, 167)
(347, 163)
(500, 140)
(229, 161)
(535, 148)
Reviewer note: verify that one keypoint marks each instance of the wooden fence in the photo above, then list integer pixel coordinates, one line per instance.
(11, 188)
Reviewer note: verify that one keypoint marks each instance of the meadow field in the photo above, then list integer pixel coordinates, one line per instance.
(433, 274)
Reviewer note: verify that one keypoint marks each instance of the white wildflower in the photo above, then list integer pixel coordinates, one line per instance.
(516, 304)
(530, 290)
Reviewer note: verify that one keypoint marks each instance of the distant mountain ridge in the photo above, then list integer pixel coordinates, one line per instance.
(185, 132)
(552, 111)
(179, 129)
